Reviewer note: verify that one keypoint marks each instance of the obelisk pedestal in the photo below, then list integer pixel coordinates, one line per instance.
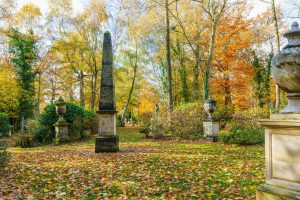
(107, 141)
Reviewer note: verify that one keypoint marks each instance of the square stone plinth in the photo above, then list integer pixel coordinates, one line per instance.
(211, 129)
(282, 151)
(107, 124)
(109, 143)
(272, 192)
(61, 131)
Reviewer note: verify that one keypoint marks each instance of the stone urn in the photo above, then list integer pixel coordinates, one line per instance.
(286, 69)
(210, 107)
(61, 126)
(61, 107)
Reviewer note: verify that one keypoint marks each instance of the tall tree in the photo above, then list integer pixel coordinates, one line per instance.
(214, 10)
(277, 38)
(23, 50)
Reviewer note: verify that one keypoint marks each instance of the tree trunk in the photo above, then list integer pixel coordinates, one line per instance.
(39, 93)
(196, 77)
(277, 104)
(168, 57)
(209, 62)
(130, 93)
(94, 83)
(81, 82)
(184, 86)
(227, 89)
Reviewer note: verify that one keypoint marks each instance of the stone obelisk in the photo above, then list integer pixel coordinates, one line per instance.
(107, 141)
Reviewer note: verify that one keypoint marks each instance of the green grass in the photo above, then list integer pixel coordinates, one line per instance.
(143, 169)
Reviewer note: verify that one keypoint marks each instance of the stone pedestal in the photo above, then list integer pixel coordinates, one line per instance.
(109, 143)
(107, 124)
(211, 129)
(61, 128)
(282, 149)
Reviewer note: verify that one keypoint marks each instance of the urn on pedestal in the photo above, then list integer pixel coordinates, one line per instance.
(282, 131)
(61, 126)
(211, 123)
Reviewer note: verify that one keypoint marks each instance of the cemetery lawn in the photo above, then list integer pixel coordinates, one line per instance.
(143, 169)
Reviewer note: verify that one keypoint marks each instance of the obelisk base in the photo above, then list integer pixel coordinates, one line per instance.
(109, 143)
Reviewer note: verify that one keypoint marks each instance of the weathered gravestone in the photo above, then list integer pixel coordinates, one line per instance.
(282, 134)
(107, 141)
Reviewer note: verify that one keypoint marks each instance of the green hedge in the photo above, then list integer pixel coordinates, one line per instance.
(243, 136)
(78, 117)
(4, 124)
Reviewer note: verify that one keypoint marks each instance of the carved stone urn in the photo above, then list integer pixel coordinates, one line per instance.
(286, 69)
(210, 107)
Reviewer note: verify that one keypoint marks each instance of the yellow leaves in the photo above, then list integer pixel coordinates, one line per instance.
(45, 190)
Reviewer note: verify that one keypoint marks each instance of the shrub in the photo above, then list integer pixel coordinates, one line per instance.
(25, 141)
(4, 124)
(145, 122)
(31, 125)
(58, 141)
(90, 122)
(186, 121)
(243, 135)
(119, 121)
(75, 116)
(4, 155)
(43, 135)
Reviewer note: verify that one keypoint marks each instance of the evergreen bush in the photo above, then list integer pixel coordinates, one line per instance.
(78, 118)
(243, 135)
(4, 124)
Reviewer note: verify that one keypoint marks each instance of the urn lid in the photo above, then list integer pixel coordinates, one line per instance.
(293, 36)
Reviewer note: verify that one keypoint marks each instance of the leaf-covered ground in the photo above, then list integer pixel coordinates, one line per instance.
(143, 169)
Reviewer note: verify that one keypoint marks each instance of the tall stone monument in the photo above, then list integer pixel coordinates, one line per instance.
(107, 141)
(282, 132)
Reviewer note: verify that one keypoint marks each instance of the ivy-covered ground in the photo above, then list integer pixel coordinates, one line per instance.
(143, 169)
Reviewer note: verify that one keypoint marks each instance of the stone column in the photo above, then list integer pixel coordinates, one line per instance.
(107, 141)
(282, 131)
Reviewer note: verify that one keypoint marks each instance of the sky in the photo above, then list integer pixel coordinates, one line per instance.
(78, 5)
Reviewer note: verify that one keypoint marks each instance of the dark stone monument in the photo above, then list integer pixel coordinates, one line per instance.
(107, 141)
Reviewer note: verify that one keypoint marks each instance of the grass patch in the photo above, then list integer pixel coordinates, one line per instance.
(143, 169)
